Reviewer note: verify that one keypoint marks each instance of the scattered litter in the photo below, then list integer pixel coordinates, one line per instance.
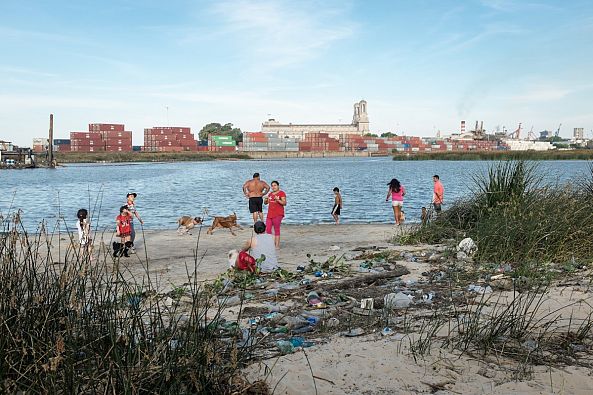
(323, 274)
(354, 332)
(294, 322)
(232, 301)
(428, 297)
(314, 300)
(367, 303)
(332, 322)
(461, 256)
(397, 301)
(530, 345)
(334, 248)
(173, 344)
(248, 340)
(285, 347)
(468, 246)
(279, 329)
(288, 286)
(300, 269)
(411, 282)
(408, 256)
(254, 321)
(479, 289)
(303, 329)
(313, 320)
(305, 281)
(387, 331)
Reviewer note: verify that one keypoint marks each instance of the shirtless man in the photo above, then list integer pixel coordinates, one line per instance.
(254, 190)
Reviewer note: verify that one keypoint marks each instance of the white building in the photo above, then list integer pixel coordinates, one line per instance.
(359, 126)
(525, 145)
(579, 134)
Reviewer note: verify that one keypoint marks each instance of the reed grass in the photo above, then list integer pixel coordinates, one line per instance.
(514, 219)
(86, 325)
(117, 157)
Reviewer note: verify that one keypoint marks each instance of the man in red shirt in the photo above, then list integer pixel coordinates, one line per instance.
(438, 194)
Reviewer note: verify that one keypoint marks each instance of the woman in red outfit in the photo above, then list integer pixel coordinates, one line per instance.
(276, 200)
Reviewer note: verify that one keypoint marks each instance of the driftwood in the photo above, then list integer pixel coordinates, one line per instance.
(365, 280)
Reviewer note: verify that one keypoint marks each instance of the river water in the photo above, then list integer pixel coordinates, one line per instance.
(169, 190)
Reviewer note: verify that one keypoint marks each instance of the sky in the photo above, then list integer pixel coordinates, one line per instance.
(422, 65)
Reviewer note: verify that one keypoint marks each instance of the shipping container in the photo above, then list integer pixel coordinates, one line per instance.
(85, 135)
(106, 127)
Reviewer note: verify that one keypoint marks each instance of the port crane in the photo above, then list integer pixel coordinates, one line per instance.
(557, 133)
(516, 134)
(531, 135)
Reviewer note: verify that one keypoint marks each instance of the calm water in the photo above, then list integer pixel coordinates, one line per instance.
(169, 190)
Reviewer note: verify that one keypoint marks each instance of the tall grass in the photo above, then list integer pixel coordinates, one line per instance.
(514, 219)
(86, 325)
(116, 157)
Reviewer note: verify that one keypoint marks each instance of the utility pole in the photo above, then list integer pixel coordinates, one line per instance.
(50, 146)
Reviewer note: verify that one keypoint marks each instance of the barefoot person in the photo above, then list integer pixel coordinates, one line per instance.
(438, 194)
(131, 203)
(397, 192)
(83, 226)
(276, 200)
(337, 205)
(124, 228)
(255, 189)
(262, 245)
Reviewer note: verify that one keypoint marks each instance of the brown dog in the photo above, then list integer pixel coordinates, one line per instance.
(225, 222)
(188, 223)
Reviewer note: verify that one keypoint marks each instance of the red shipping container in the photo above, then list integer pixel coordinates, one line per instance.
(115, 134)
(93, 141)
(106, 127)
(85, 135)
(118, 141)
(118, 148)
(87, 148)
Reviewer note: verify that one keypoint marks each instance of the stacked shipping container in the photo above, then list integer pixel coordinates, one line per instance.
(268, 142)
(62, 145)
(40, 144)
(102, 137)
(169, 139)
(221, 143)
(319, 142)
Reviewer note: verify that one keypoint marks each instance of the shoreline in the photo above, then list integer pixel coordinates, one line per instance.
(65, 158)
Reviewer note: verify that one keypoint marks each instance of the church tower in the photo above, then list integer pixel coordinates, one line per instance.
(361, 118)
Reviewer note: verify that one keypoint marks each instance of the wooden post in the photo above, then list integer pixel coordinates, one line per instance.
(50, 146)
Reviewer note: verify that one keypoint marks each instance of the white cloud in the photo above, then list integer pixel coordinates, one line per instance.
(280, 33)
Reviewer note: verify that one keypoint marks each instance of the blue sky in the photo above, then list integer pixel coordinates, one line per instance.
(421, 65)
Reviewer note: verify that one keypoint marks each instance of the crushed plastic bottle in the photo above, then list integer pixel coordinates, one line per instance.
(397, 301)
(285, 347)
(479, 289)
(387, 331)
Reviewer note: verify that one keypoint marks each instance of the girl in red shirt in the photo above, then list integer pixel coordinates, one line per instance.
(276, 200)
(124, 228)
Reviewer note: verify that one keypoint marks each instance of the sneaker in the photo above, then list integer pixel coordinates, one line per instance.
(132, 250)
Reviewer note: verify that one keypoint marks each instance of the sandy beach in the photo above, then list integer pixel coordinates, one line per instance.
(169, 253)
(369, 363)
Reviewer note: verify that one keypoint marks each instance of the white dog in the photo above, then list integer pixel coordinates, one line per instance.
(233, 255)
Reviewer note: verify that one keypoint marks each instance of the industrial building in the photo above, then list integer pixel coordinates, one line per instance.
(359, 126)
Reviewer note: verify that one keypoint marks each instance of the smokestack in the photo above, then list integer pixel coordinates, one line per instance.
(481, 126)
(462, 127)
(50, 146)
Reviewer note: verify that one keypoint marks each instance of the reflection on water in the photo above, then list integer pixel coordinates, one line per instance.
(169, 190)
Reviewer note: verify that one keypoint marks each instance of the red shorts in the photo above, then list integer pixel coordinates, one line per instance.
(274, 223)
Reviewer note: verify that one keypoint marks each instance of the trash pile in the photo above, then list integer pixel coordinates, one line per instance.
(287, 311)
